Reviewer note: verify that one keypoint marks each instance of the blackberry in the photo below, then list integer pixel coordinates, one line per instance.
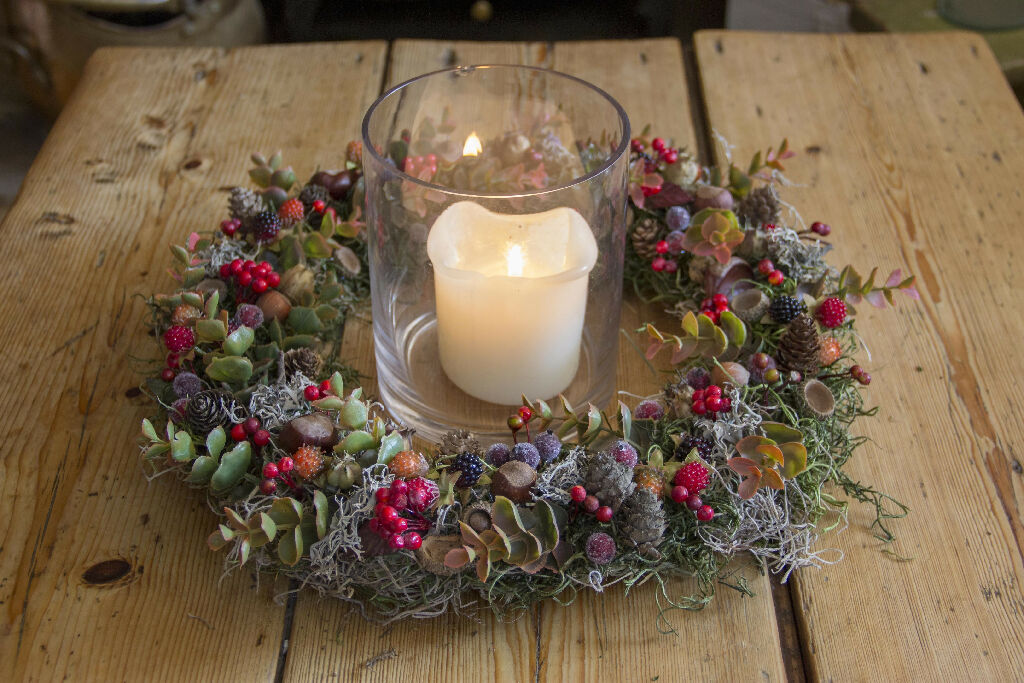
(265, 225)
(689, 442)
(785, 308)
(470, 468)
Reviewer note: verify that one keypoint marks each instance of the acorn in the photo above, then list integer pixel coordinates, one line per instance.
(514, 480)
(338, 183)
(750, 305)
(711, 197)
(431, 553)
(730, 373)
(315, 429)
(273, 304)
(477, 516)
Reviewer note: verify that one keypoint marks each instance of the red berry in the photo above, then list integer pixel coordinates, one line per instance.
(694, 476)
(671, 156)
(525, 413)
(679, 494)
(227, 226)
(699, 407)
(374, 525)
(577, 493)
(399, 487)
(312, 392)
(726, 403)
(172, 361)
(720, 300)
(694, 502)
(658, 264)
(388, 514)
(715, 316)
(268, 486)
(248, 265)
(273, 279)
(251, 425)
(864, 378)
(179, 338)
(707, 304)
(399, 525)
(705, 513)
(259, 285)
(225, 271)
(765, 266)
(591, 503)
(658, 144)
(286, 464)
(713, 390)
(636, 145)
(382, 495)
(713, 404)
(167, 374)
(396, 541)
(238, 432)
(262, 268)
(698, 395)
(270, 471)
(820, 228)
(832, 312)
(319, 206)
(661, 247)
(413, 540)
(776, 277)
(769, 226)
(245, 278)
(236, 266)
(261, 438)
(603, 514)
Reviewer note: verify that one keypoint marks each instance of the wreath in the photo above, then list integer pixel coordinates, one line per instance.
(744, 451)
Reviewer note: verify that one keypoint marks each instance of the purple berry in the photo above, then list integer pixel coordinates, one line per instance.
(187, 384)
(649, 410)
(698, 378)
(677, 217)
(548, 445)
(600, 548)
(624, 453)
(526, 452)
(757, 373)
(249, 315)
(498, 454)
(675, 241)
(177, 411)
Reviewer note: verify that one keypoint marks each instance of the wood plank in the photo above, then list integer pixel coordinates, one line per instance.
(132, 164)
(598, 635)
(913, 150)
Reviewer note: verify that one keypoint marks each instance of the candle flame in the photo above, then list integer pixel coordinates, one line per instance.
(514, 260)
(472, 147)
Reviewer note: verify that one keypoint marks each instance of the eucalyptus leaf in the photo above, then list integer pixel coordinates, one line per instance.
(210, 330)
(231, 369)
(322, 512)
(232, 468)
(212, 303)
(215, 441)
(149, 431)
(239, 341)
(290, 547)
(203, 468)
(303, 320)
(390, 446)
(182, 449)
(359, 441)
(286, 512)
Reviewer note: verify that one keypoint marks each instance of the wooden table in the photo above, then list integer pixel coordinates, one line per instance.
(912, 147)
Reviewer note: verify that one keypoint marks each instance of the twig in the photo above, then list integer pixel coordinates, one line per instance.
(198, 618)
(387, 654)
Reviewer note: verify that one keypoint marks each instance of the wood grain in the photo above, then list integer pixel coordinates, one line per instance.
(106, 576)
(598, 636)
(912, 148)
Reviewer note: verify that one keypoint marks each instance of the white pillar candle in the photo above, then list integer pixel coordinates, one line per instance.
(511, 293)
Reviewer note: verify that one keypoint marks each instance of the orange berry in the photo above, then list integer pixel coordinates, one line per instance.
(409, 465)
(309, 461)
(829, 350)
(650, 478)
(184, 314)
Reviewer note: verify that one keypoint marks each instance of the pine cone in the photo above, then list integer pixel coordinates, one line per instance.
(799, 346)
(759, 207)
(645, 237)
(313, 192)
(642, 522)
(304, 360)
(459, 441)
(609, 480)
(243, 204)
(208, 410)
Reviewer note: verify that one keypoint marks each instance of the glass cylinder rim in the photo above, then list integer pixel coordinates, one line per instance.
(617, 154)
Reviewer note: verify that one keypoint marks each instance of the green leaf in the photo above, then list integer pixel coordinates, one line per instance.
(289, 548)
(329, 403)
(337, 384)
(239, 341)
(359, 441)
(276, 332)
(244, 546)
(182, 449)
(266, 351)
(192, 299)
(734, 328)
(180, 254)
(275, 161)
(326, 312)
(298, 341)
(203, 468)
(192, 277)
(215, 441)
(260, 176)
(690, 325)
(781, 433)
(231, 369)
(212, 303)
(593, 422)
(232, 468)
(286, 513)
(321, 507)
(262, 530)
(303, 320)
(219, 539)
(291, 253)
(210, 330)
(149, 431)
(390, 445)
(283, 178)
(157, 450)
(353, 414)
(625, 420)
(316, 246)
(794, 459)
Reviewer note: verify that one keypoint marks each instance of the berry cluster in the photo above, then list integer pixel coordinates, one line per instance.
(412, 498)
(469, 467)
(819, 228)
(277, 471)
(314, 392)
(660, 153)
(256, 277)
(709, 401)
(690, 480)
(292, 211)
(763, 369)
(251, 429)
(768, 269)
(230, 226)
(677, 218)
(784, 308)
(590, 504)
(714, 307)
(860, 374)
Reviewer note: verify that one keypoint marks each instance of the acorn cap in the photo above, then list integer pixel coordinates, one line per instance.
(818, 398)
(431, 553)
(750, 305)
(514, 480)
(477, 516)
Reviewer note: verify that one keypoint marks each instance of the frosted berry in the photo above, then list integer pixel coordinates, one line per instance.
(600, 548)
(179, 338)
(650, 478)
(270, 471)
(265, 225)
(698, 378)
(705, 513)
(409, 464)
(184, 314)
(422, 494)
(694, 476)
(311, 392)
(238, 433)
(498, 454)
(399, 486)
(261, 438)
(649, 410)
(688, 442)
(577, 493)
(832, 312)
(291, 212)
(470, 468)
(677, 218)
(624, 453)
(820, 228)
(675, 238)
(526, 452)
(829, 350)
(249, 315)
(591, 503)
(309, 461)
(412, 540)
(694, 502)
(548, 445)
(785, 308)
(679, 494)
(603, 514)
